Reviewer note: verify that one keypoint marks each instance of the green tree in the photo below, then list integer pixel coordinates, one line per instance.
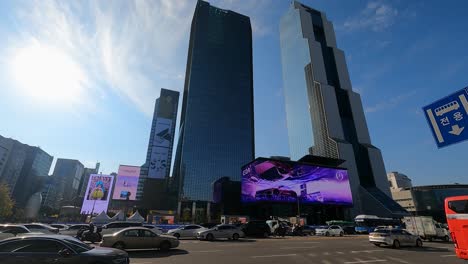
(6, 203)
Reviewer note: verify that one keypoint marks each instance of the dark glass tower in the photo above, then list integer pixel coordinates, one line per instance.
(217, 119)
(318, 91)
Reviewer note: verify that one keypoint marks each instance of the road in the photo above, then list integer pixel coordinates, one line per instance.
(321, 250)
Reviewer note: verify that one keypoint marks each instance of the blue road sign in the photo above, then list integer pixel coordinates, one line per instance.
(448, 118)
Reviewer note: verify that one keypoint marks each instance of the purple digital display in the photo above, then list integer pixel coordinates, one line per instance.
(278, 181)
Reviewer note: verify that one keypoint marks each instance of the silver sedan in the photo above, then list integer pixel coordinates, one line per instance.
(395, 238)
(221, 231)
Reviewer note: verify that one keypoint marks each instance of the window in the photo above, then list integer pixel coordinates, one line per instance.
(190, 227)
(41, 246)
(131, 233)
(405, 233)
(223, 227)
(146, 233)
(34, 226)
(15, 230)
(460, 207)
(77, 245)
(12, 246)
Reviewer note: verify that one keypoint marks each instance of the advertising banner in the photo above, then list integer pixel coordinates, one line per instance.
(97, 194)
(158, 163)
(126, 184)
(163, 136)
(279, 181)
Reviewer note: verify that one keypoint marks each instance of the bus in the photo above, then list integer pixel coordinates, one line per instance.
(456, 211)
(366, 224)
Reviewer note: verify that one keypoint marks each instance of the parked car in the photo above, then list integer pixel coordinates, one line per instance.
(394, 238)
(333, 230)
(113, 227)
(256, 228)
(221, 231)
(188, 231)
(155, 229)
(59, 226)
(349, 230)
(209, 225)
(73, 229)
(9, 230)
(56, 249)
(42, 228)
(139, 238)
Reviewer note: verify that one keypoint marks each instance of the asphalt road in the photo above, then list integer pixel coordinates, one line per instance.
(325, 250)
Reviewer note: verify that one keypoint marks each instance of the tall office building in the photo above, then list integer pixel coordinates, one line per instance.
(154, 174)
(318, 92)
(23, 168)
(67, 177)
(84, 180)
(217, 119)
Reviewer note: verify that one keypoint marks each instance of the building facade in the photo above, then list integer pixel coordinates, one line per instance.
(217, 119)
(67, 175)
(155, 172)
(23, 168)
(428, 200)
(315, 69)
(398, 181)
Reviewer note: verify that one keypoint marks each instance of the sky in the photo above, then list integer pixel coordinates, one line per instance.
(79, 78)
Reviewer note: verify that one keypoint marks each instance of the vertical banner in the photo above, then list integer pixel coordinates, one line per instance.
(160, 150)
(126, 185)
(97, 194)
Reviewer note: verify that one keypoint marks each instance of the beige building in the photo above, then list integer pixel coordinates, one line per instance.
(398, 181)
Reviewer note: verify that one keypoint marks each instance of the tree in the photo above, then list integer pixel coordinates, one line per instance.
(6, 203)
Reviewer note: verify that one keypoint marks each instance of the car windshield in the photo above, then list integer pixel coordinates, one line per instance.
(382, 231)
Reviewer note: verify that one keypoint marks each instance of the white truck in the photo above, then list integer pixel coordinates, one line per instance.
(426, 228)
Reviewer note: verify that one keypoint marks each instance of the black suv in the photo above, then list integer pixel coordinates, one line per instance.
(256, 228)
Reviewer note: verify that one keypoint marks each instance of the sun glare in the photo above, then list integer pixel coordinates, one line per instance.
(47, 75)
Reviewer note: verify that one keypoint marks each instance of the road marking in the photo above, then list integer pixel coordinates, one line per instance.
(205, 251)
(296, 247)
(339, 252)
(312, 254)
(366, 261)
(273, 256)
(399, 260)
(366, 251)
(326, 253)
(452, 255)
(326, 261)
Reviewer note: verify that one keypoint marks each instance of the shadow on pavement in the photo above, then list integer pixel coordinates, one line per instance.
(243, 240)
(156, 253)
(425, 249)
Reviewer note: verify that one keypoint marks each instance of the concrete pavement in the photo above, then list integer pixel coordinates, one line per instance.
(325, 250)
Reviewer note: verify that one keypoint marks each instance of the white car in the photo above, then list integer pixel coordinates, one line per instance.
(221, 231)
(333, 230)
(394, 238)
(188, 231)
(7, 231)
(42, 228)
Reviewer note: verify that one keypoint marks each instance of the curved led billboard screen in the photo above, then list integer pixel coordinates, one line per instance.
(286, 181)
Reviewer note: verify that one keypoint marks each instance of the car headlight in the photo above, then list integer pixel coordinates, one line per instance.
(120, 261)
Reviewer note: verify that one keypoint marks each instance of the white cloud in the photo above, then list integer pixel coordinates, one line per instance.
(390, 103)
(377, 16)
(133, 47)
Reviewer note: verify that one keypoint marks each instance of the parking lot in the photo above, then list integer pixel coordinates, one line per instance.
(326, 250)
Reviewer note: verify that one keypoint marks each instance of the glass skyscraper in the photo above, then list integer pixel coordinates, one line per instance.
(325, 116)
(217, 119)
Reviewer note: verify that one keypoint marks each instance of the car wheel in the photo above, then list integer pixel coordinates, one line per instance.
(341, 233)
(119, 245)
(177, 235)
(446, 238)
(419, 243)
(210, 237)
(165, 246)
(396, 244)
(235, 236)
(327, 234)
